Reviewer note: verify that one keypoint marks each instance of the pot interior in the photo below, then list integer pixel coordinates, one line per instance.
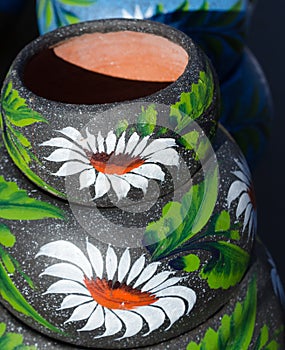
(101, 68)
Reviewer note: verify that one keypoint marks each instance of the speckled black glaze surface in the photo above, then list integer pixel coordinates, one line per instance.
(83, 225)
(58, 115)
(268, 312)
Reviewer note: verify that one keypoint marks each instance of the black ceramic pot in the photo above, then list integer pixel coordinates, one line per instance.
(149, 228)
(56, 95)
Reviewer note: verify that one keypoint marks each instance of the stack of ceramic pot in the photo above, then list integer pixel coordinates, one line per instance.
(128, 217)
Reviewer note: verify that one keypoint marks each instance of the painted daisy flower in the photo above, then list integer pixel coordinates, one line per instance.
(111, 161)
(138, 13)
(115, 293)
(242, 189)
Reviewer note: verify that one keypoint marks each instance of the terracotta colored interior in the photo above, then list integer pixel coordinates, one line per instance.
(127, 55)
(105, 68)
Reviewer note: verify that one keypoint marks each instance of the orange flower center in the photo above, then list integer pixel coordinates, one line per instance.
(251, 194)
(117, 296)
(114, 163)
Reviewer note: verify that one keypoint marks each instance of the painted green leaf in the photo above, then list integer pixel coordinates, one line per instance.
(121, 127)
(181, 221)
(236, 330)
(146, 122)
(11, 294)
(184, 6)
(49, 12)
(223, 222)
(2, 328)
(264, 343)
(188, 263)
(16, 110)
(198, 142)
(7, 261)
(205, 6)
(7, 239)
(159, 9)
(19, 160)
(20, 137)
(194, 103)
(78, 2)
(70, 17)
(227, 265)
(12, 341)
(15, 204)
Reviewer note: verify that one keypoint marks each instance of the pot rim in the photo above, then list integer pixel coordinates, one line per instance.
(65, 33)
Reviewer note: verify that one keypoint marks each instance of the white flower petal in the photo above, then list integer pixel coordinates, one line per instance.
(247, 215)
(111, 140)
(136, 180)
(76, 136)
(136, 269)
(153, 316)
(87, 178)
(96, 320)
(66, 271)
(240, 175)
(236, 189)
(120, 186)
(141, 146)
(66, 286)
(67, 251)
(121, 144)
(147, 273)
(250, 226)
(74, 300)
(71, 132)
(133, 140)
(138, 12)
(149, 12)
(111, 263)
(124, 265)
(91, 139)
(63, 155)
(173, 307)
(63, 143)
(100, 141)
(82, 312)
(96, 259)
(126, 14)
(112, 324)
(71, 168)
(102, 185)
(156, 280)
(167, 157)
(166, 284)
(158, 145)
(242, 164)
(132, 321)
(242, 204)
(180, 291)
(151, 171)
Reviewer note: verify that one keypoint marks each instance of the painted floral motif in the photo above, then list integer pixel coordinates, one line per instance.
(243, 190)
(115, 293)
(112, 162)
(138, 13)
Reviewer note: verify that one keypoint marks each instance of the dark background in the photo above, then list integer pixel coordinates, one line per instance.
(267, 42)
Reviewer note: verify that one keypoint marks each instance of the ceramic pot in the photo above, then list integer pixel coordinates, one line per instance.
(57, 94)
(255, 296)
(149, 228)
